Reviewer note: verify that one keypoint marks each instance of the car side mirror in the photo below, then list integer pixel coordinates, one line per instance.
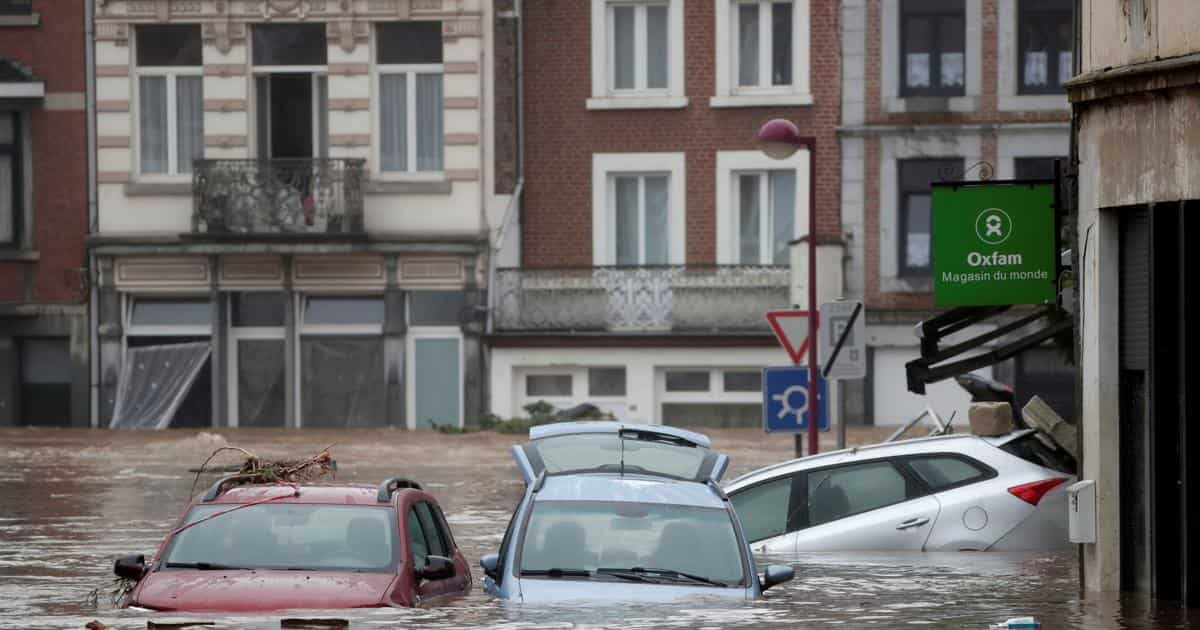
(491, 565)
(777, 574)
(437, 568)
(131, 567)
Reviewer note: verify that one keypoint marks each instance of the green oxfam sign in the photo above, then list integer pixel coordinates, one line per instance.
(994, 244)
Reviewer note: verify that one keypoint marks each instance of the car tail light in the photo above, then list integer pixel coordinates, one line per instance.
(1032, 493)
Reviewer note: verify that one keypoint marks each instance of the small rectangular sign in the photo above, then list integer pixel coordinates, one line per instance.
(994, 243)
(851, 359)
(785, 400)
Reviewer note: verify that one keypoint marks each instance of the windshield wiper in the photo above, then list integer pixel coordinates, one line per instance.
(204, 566)
(647, 574)
(556, 572)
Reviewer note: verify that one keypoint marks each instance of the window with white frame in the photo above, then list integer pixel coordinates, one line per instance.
(637, 53)
(713, 397)
(409, 62)
(341, 361)
(762, 53)
(638, 211)
(639, 217)
(766, 216)
(170, 98)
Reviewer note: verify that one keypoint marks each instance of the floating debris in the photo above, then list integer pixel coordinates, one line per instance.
(258, 470)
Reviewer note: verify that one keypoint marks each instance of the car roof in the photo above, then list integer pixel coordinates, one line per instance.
(342, 494)
(570, 428)
(629, 489)
(883, 449)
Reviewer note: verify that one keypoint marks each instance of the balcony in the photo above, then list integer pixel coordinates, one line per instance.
(639, 299)
(314, 197)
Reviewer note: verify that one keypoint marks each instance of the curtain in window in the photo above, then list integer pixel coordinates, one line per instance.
(430, 136)
(656, 47)
(623, 45)
(783, 214)
(8, 137)
(749, 206)
(189, 106)
(627, 220)
(393, 118)
(781, 43)
(153, 383)
(343, 384)
(747, 44)
(152, 115)
(322, 116)
(656, 220)
(917, 223)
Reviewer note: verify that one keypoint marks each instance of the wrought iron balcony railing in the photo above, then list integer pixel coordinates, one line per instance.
(639, 299)
(278, 196)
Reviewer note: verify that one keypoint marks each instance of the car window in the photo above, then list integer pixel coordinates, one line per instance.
(504, 543)
(839, 492)
(433, 533)
(763, 509)
(590, 535)
(287, 536)
(941, 472)
(1030, 448)
(444, 528)
(416, 540)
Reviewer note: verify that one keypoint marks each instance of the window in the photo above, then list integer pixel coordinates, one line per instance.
(409, 57)
(1035, 167)
(289, 45)
(170, 98)
(417, 546)
(175, 312)
(435, 539)
(933, 48)
(840, 492)
(341, 357)
(16, 7)
(765, 509)
(766, 217)
(915, 216)
(11, 176)
(557, 385)
(764, 43)
(606, 381)
(747, 381)
(45, 382)
(686, 381)
(637, 54)
(258, 309)
(637, 47)
(343, 310)
(638, 215)
(1044, 41)
(944, 472)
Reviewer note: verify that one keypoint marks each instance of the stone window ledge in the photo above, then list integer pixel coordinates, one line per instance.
(400, 187)
(20, 255)
(157, 189)
(760, 100)
(637, 102)
(33, 19)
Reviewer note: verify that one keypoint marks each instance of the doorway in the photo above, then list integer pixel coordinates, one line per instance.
(292, 114)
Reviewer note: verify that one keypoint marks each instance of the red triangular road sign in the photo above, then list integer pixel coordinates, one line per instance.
(791, 329)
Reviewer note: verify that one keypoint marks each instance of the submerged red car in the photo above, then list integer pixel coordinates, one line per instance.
(259, 548)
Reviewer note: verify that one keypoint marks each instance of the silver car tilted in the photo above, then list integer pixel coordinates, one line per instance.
(950, 493)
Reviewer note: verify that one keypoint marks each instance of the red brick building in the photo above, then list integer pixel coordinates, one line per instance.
(43, 213)
(933, 88)
(654, 234)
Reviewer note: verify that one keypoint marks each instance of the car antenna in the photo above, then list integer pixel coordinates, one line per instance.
(621, 439)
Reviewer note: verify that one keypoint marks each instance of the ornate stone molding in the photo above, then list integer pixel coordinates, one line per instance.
(347, 33)
(223, 35)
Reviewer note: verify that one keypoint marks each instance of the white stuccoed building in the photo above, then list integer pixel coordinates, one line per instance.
(305, 187)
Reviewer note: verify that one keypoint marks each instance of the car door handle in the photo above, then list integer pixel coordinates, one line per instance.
(913, 522)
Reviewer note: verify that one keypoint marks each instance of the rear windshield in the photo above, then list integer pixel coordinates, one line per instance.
(1030, 448)
(287, 536)
(591, 452)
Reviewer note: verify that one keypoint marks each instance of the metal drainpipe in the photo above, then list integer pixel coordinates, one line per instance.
(89, 51)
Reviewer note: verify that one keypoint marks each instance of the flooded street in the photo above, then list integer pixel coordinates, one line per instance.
(70, 501)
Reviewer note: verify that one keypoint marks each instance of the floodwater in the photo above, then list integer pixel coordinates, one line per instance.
(72, 500)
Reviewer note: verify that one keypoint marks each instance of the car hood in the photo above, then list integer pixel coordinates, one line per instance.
(559, 590)
(260, 591)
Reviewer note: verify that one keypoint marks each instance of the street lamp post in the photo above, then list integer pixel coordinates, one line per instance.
(780, 139)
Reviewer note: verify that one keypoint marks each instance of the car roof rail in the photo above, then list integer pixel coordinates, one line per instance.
(393, 484)
(217, 488)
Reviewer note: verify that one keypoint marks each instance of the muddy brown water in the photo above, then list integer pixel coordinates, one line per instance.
(72, 500)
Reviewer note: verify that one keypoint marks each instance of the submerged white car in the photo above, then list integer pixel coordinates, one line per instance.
(949, 493)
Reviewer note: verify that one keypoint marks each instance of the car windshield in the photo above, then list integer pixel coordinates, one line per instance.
(287, 536)
(605, 451)
(571, 537)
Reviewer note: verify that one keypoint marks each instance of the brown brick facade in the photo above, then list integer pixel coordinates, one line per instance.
(561, 134)
(53, 51)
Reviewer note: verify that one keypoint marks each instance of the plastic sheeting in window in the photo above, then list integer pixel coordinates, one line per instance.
(154, 381)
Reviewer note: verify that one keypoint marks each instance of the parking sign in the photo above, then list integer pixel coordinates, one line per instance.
(785, 400)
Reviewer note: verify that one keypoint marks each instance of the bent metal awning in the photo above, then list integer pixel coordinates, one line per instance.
(17, 81)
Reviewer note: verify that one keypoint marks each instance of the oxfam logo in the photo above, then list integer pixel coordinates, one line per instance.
(993, 226)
